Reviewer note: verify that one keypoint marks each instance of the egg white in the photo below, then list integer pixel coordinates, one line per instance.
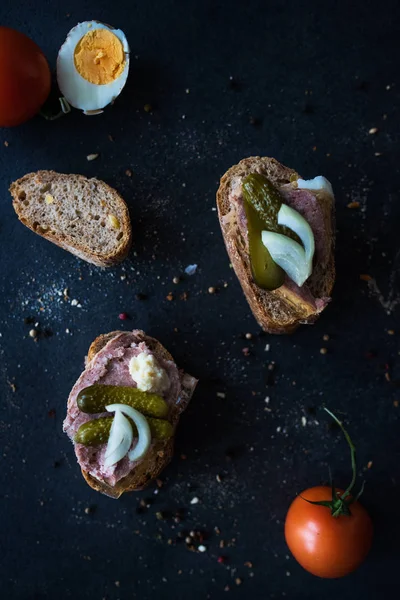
(80, 93)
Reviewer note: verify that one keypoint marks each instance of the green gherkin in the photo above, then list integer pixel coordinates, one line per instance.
(262, 204)
(97, 431)
(95, 398)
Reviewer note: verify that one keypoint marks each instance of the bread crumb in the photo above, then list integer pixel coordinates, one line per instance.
(211, 290)
(325, 337)
(369, 465)
(353, 205)
(390, 331)
(194, 500)
(201, 548)
(92, 157)
(373, 130)
(176, 280)
(303, 421)
(128, 173)
(33, 333)
(6, 144)
(238, 581)
(323, 351)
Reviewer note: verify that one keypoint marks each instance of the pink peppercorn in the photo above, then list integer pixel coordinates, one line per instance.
(221, 559)
(123, 316)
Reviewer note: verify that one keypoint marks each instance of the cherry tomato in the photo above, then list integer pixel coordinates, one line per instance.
(25, 78)
(324, 545)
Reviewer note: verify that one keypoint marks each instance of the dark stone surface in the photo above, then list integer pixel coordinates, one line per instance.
(315, 77)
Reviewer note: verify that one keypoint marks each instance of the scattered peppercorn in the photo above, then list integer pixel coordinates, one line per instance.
(248, 336)
(147, 108)
(211, 290)
(323, 351)
(176, 280)
(373, 130)
(33, 333)
(255, 121)
(325, 337)
(128, 173)
(170, 297)
(238, 581)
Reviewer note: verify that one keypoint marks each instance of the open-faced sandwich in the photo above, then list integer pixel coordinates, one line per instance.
(279, 233)
(123, 411)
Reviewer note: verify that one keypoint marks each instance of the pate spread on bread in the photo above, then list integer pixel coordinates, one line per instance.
(280, 308)
(127, 361)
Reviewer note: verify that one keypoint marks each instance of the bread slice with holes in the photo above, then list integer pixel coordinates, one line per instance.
(84, 216)
(284, 309)
(105, 363)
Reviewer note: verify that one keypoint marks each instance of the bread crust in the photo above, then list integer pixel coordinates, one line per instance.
(78, 248)
(161, 452)
(278, 311)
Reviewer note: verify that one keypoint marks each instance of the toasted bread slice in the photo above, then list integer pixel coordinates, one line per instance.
(281, 310)
(161, 452)
(84, 216)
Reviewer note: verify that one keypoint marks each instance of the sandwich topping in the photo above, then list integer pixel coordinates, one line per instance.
(275, 230)
(112, 421)
(148, 374)
(284, 229)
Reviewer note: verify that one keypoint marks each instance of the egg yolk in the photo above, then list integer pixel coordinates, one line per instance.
(99, 56)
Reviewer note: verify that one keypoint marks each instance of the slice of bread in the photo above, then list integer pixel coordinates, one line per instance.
(160, 453)
(281, 310)
(84, 216)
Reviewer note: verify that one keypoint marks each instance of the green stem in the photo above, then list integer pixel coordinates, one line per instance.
(352, 454)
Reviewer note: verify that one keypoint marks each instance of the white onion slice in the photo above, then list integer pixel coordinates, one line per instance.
(319, 183)
(120, 440)
(288, 254)
(143, 428)
(292, 219)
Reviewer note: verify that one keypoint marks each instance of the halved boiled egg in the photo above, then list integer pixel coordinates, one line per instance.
(92, 66)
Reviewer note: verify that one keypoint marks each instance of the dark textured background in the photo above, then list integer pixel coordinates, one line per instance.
(317, 76)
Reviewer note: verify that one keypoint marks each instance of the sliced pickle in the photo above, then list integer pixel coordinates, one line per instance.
(97, 431)
(267, 274)
(262, 204)
(95, 398)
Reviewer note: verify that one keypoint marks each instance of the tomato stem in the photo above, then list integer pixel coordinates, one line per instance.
(352, 453)
(340, 503)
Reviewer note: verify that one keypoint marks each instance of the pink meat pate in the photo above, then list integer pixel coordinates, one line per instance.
(110, 366)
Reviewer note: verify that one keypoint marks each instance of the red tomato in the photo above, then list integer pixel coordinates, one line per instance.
(25, 78)
(324, 545)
